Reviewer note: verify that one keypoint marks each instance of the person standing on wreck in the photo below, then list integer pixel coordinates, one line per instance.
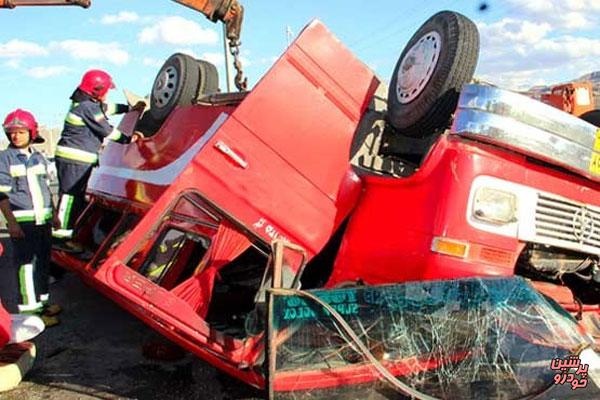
(86, 127)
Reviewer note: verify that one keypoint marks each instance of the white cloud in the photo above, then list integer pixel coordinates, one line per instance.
(513, 30)
(518, 54)
(152, 62)
(47, 72)
(19, 49)
(177, 31)
(213, 58)
(189, 52)
(123, 16)
(562, 14)
(13, 64)
(91, 50)
(268, 60)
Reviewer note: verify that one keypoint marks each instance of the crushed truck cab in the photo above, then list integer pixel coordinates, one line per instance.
(239, 229)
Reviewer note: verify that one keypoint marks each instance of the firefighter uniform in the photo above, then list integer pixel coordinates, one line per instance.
(85, 128)
(23, 180)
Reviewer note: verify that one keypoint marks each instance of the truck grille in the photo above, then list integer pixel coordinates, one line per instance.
(567, 224)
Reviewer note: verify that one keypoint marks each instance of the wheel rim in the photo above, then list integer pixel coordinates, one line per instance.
(165, 86)
(417, 67)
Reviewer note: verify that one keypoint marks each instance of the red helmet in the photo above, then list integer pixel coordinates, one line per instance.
(22, 119)
(96, 83)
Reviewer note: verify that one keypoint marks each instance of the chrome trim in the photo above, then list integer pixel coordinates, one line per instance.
(566, 223)
(528, 126)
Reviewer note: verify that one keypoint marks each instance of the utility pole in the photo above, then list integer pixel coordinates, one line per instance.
(228, 74)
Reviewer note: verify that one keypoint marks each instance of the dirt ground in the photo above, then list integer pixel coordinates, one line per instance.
(96, 353)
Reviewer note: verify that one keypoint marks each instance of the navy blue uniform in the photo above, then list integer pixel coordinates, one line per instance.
(23, 180)
(86, 126)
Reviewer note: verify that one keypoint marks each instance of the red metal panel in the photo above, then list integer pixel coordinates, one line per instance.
(268, 196)
(308, 106)
(124, 168)
(390, 234)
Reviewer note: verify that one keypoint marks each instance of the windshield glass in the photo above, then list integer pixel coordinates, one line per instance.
(472, 338)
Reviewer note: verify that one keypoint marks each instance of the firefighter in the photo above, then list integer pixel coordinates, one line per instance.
(85, 128)
(26, 202)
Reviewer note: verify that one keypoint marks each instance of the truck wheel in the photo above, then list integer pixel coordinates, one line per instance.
(210, 82)
(593, 117)
(437, 61)
(179, 82)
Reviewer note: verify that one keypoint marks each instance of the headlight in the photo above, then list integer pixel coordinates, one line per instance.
(495, 206)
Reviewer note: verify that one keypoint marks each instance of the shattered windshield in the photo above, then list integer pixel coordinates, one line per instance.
(472, 338)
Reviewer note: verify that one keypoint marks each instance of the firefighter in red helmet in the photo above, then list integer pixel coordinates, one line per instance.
(26, 203)
(86, 127)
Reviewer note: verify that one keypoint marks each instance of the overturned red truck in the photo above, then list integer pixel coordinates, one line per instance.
(315, 239)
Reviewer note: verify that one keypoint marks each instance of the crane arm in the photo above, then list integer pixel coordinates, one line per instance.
(230, 12)
(15, 3)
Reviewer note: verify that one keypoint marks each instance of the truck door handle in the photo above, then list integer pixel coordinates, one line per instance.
(232, 155)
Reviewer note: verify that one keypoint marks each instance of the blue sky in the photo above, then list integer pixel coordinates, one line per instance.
(44, 51)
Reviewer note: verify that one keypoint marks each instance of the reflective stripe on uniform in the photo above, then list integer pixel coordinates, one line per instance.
(74, 119)
(64, 210)
(37, 198)
(18, 170)
(27, 289)
(111, 108)
(30, 215)
(75, 154)
(30, 308)
(157, 271)
(5, 188)
(115, 134)
(62, 233)
(38, 169)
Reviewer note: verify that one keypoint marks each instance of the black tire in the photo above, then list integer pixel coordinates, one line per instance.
(210, 78)
(593, 117)
(179, 82)
(422, 109)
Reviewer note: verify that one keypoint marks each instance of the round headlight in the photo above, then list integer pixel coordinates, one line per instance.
(495, 206)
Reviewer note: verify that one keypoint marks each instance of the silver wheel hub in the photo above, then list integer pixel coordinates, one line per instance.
(165, 86)
(417, 67)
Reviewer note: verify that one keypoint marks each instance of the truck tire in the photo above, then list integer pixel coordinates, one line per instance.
(437, 61)
(180, 81)
(210, 82)
(593, 117)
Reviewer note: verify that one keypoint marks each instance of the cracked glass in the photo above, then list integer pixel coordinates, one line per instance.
(460, 339)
